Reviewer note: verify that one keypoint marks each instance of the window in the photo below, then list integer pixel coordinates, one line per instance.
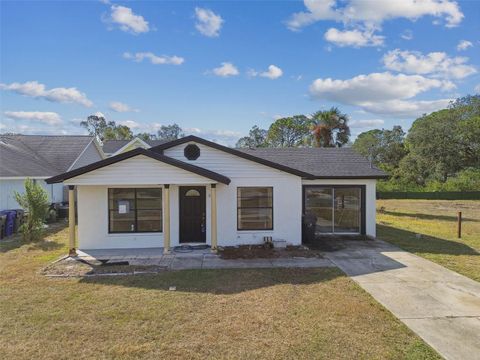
(135, 210)
(191, 152)
(255, 208)
(337, 209)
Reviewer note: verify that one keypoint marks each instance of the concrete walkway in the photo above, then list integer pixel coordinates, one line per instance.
(441, 306)
(196, 259)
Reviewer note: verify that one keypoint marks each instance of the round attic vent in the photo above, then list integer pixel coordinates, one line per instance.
(191, 152)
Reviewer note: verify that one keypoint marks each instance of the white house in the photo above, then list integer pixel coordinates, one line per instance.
(192, 190)
(39, 157)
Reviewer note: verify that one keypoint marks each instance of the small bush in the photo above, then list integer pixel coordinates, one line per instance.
(35, 202)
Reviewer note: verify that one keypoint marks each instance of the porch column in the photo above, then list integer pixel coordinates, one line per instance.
(213, 208)
(71, 221)
(166, 216)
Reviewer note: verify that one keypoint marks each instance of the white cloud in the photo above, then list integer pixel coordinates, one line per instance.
(435, 63)
(407, 35)
(225, 137)
(366, 123)
(118, 106)
(375, 12)
(208, 23)
(382, 93)
(46, 117)
(406, 109)
(226, 69)
(375, 87)
(130, 123)
(273, 72)
(356, 38)
(154, 59)
(477, 89)
(127, 20)
(464, 45)
(38, 90)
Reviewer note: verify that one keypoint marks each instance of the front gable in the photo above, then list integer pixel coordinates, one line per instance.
(138, 170)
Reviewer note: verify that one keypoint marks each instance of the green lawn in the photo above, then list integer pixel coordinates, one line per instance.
(254, 314)
(398, 221)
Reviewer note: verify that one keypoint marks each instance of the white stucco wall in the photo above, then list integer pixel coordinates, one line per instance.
(9, 186)
(370, 198)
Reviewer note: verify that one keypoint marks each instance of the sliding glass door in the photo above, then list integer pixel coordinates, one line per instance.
(338, 209)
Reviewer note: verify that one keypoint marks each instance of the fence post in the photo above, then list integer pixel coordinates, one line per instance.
(459, 225)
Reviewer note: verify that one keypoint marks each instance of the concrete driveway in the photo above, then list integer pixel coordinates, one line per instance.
(441, 306)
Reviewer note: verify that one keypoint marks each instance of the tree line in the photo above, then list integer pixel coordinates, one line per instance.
(440, 152)
(98, 126)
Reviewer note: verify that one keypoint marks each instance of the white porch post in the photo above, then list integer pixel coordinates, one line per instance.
(166, 216)
(213, 198)
(71, 220)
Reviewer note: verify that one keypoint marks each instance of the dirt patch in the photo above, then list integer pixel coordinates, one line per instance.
(74, 267)
(262, 252)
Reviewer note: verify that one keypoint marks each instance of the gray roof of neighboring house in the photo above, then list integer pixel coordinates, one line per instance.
(39, 155)
(112, 146)
(320, 162)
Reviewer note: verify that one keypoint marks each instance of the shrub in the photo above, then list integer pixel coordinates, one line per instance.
(35, 203)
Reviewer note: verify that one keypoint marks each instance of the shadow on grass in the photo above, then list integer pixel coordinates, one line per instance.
(224, 281)
(407, 240)
(16, 241)
(425, 216)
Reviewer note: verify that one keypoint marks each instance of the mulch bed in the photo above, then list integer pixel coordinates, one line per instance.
(73, 267)
(262, 252)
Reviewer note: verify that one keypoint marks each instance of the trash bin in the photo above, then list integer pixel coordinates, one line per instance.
(10, 221)
(309, 223)
(19, 219)
(3, 220)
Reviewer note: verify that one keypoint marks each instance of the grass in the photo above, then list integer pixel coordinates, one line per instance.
(400, 221)
(252, 313)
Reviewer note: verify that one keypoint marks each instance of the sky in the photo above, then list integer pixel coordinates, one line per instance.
(217, 68)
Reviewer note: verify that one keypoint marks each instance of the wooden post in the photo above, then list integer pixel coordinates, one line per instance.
(166, 217)
(71, 221)
(213, 216)
(459, 225)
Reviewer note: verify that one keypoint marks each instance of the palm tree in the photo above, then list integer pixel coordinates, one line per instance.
(330, 128)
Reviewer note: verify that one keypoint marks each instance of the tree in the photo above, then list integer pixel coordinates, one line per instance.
(95, 125)
(146, 136)
(330, 128)
(384, 147)
(289, 132)
(256, 138)
(35, 202)
(170, 132)
(117, 132)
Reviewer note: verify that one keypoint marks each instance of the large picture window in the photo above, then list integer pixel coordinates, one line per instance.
(134, 210)
(255, 208)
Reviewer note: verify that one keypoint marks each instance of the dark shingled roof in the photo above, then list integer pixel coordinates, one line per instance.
(39, 155)
(112, 146)
(320, 162)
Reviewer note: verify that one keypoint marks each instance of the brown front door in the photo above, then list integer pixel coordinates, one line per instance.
(192, 214)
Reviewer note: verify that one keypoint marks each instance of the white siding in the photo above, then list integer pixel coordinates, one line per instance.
(370, 198)
(225, 163)
(9, 186)
(139, 170)
(88, 156)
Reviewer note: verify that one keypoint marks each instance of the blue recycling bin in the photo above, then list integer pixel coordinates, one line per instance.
(10, 222)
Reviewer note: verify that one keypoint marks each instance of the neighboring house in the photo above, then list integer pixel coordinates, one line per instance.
(39, 157)
(192, 190)
(115, 147)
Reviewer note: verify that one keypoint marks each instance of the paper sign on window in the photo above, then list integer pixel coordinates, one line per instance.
(123, 207)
